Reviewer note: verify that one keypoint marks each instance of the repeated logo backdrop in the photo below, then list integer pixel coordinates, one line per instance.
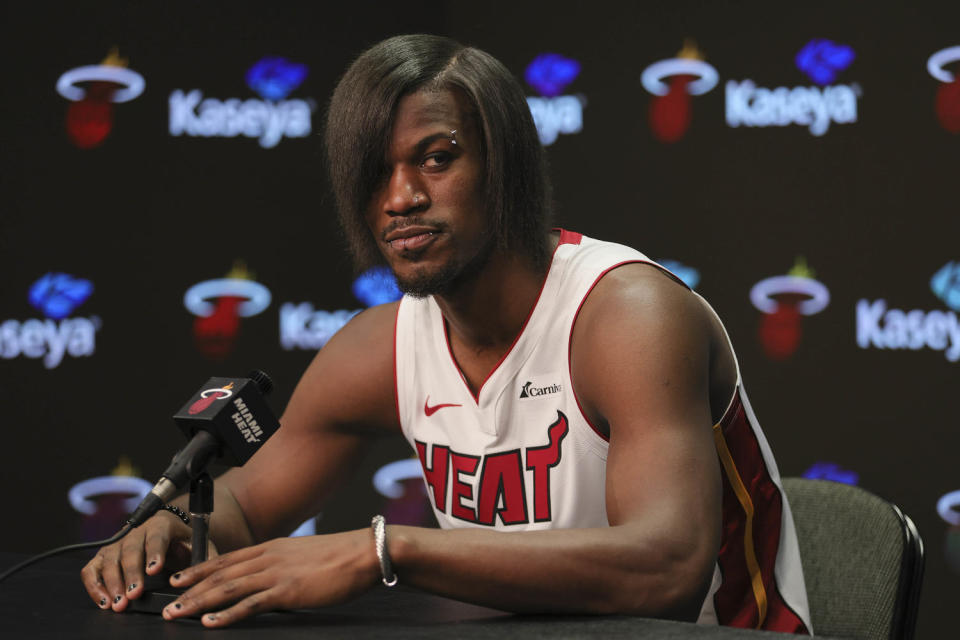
(166, 218)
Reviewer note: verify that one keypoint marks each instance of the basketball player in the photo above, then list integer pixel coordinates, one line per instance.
(585, 440)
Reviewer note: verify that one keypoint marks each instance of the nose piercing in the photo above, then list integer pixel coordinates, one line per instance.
(416, 198)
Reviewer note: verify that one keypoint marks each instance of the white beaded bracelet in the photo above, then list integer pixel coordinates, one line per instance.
(383, 554)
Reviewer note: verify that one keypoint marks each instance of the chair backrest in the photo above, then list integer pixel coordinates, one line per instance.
(862, 560)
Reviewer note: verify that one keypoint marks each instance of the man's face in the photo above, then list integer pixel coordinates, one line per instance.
(427, 215)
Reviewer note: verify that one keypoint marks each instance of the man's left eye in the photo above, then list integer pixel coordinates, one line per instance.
(436, 160)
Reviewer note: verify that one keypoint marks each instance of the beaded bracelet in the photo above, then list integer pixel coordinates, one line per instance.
(177, 511)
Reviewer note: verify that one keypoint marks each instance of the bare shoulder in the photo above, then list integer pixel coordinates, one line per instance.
(351, 379)
(640, 335)
(638, 302)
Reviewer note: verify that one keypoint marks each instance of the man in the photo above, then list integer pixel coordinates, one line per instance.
(560, 392)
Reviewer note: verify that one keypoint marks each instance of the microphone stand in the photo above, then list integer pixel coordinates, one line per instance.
(201, 506)
(157, 592)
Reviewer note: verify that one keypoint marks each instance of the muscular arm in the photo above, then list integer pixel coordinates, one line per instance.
(640, 362)
(641, 353)
(345, 395)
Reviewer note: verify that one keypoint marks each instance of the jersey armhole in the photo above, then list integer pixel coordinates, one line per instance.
(573, 324)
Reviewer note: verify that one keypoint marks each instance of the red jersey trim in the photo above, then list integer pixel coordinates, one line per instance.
(569, 235)
(396, 377)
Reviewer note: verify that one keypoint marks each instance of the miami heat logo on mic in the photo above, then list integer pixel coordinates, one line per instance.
(208, 397)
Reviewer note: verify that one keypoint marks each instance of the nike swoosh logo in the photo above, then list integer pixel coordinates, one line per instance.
(429, 411)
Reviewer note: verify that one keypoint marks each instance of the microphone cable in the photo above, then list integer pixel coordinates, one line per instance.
(127, 528)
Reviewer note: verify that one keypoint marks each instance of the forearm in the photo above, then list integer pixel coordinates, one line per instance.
(606, 570)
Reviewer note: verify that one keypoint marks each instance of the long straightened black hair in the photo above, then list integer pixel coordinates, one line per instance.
(360, 120)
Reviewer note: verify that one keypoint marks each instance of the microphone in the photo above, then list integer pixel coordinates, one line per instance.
(228, 419)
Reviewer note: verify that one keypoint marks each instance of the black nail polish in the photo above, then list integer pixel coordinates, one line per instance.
(117, 599)
(103, 602)
(211, 617)
(153, 562)
(177, 605)
(176, 576)
(131, 587)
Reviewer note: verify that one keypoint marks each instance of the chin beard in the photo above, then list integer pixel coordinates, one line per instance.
(447, 279)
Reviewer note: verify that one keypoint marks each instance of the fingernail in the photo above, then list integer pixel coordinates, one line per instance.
(177, 605)
(131, 587)
(211, 617)
(176, 576)
(117, 599)
(103, 602)
(152, 563)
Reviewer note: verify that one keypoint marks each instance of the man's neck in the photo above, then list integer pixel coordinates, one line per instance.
(484, 316)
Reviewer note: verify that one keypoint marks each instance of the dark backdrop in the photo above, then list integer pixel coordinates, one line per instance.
(869, 207)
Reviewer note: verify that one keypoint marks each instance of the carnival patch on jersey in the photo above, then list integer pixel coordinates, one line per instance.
(539, 387)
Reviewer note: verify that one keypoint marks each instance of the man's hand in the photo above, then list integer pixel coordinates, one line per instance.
(115, 575)
(285, 573)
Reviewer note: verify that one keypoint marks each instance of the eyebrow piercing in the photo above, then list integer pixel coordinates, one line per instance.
(453, 136)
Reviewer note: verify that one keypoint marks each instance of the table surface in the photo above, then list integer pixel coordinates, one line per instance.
(47, 600)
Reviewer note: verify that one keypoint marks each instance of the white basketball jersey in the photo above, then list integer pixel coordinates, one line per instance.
(520, 455)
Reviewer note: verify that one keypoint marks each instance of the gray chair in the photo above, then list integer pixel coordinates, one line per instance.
(862, 560)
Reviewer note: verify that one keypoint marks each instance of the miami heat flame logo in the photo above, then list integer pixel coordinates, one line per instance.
(208, 397)
(219, 305)
(90, 117)
(670, 108)
(948, 95)
(783, 299)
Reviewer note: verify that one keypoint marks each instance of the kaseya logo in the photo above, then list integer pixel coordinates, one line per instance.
(268, 120)
(304, 327)
(57, 296)
(882, 327)
(219, 305)
(783, 300)
(550, 74)
(93, 90)
(812, 107)
(948, 95)
(672, 82)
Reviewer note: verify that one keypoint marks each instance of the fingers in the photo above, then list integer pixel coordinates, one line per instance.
(131, 563)
(93, 582)
(244, 582)
(251, 605)
(193, 575)
(104, 580)
(155, 550)
(116, 574)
